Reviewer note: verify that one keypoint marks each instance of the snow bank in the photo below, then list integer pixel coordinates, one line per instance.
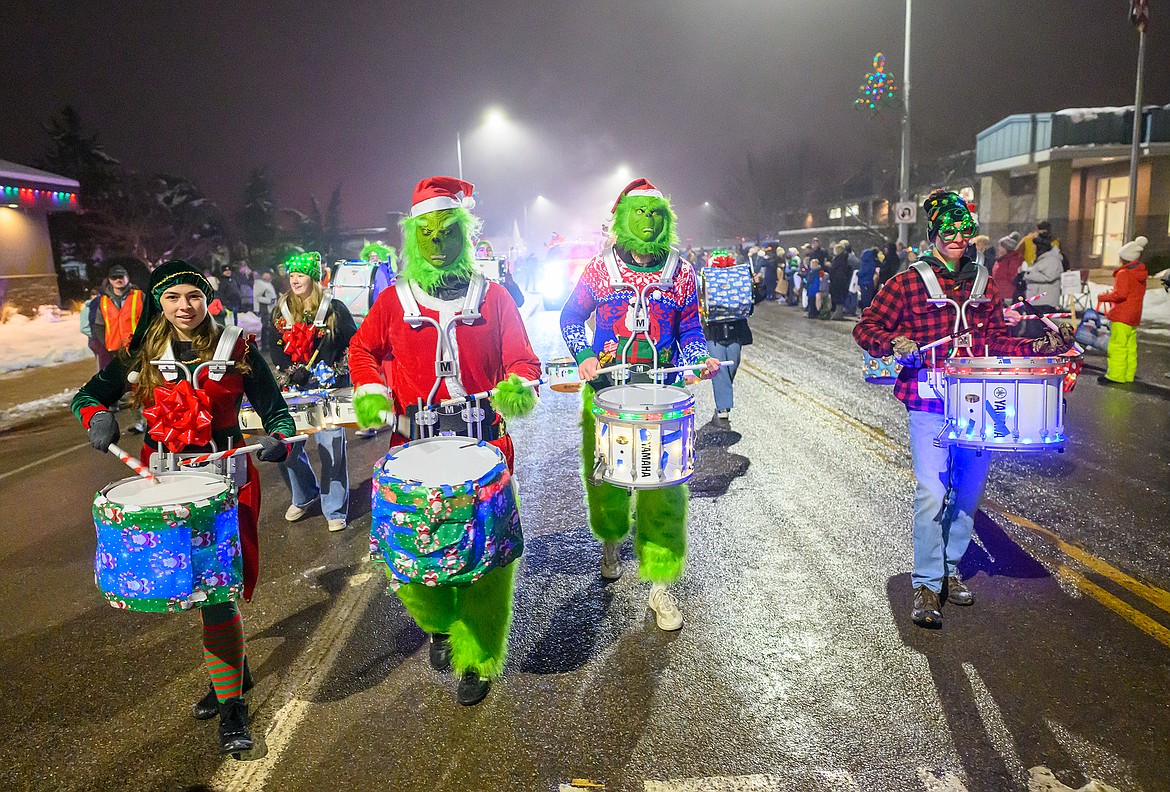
(34, 409)
(44, 341)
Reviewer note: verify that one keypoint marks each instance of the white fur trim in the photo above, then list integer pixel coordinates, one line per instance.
(647, 193)
(437, 203)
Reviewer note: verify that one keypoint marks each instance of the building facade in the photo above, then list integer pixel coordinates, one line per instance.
(27, 196)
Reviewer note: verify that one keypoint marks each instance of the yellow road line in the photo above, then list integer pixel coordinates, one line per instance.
(872, 432)
(1115, 604)
(1152, 594)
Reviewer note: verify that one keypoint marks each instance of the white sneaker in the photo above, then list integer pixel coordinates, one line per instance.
(723, 414)
(337, 525)
(611, 562)
(365, 432)
(666, 612)
(296, 512)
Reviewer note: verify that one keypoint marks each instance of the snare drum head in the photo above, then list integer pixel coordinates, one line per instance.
(643, 397)
(173, 488)
(301, 400)
(442, 460)
(341, 394)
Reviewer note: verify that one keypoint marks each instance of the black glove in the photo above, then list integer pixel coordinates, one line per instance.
(103, 430)
(298, 377)
(274, 450)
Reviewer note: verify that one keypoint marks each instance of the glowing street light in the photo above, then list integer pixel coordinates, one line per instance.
(495, 122)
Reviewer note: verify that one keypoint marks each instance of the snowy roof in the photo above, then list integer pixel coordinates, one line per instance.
(14, 172)
(1079, 114)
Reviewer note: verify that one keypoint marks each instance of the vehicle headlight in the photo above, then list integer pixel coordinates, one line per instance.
(552, 282)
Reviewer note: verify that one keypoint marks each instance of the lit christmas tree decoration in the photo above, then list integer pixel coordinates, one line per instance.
(878, 91)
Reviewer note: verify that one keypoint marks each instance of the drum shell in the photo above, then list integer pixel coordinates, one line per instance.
(306, 409)
(1005, 404)
(644, 447)
(450, 534)
(880, 370)
(562, 376)
(339, 406)
(164, 559)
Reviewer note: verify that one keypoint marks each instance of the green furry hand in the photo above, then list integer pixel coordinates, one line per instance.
(368, 409)
(513, 398)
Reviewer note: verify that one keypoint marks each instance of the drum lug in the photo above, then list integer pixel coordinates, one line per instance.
(595, 476)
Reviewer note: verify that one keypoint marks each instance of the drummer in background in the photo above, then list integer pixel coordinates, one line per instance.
(725, 340)
(176, 316)
(897, 323)
(309, 358)
(643, 233)
(468, 624)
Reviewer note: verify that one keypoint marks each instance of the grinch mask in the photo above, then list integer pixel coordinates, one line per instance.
(437, 248)
(644, 225)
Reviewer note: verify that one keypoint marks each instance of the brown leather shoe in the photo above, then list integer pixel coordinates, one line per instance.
(957, 592)
(927, 610)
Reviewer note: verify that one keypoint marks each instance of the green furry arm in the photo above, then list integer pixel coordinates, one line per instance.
(368, 407)
(513, 398)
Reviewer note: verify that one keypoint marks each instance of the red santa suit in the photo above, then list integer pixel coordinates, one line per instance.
(488, 348)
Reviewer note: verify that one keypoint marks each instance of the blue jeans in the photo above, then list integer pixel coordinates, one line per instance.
(298, 474)
(941, 540)
(724, 397)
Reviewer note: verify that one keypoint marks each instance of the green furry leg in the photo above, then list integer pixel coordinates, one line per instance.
(479, 637)
(609, 506)
(661, 538)
(431, 607)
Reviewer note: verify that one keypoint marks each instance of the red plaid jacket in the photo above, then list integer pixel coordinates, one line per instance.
(900, 308)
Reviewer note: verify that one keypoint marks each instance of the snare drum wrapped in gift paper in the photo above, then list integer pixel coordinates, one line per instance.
(444, 512)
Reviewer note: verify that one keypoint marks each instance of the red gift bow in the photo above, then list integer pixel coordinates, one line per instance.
(299, 341)
(180, 416)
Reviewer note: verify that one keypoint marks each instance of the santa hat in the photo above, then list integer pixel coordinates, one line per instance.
(1132, 251)
(638, 187)
(441, 192)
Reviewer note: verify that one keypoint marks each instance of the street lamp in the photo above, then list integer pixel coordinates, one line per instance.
(904, 180)
(495, 122)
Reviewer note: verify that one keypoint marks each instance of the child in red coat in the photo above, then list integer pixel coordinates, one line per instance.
(1129, 290)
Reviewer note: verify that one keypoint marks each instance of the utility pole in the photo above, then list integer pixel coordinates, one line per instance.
(904, 187)
(1139, 15)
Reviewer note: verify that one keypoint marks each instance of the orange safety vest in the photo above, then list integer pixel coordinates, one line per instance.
(120, 322)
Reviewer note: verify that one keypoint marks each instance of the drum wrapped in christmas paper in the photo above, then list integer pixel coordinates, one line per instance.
(444, 512)
(561, 375)
(169, 546)
(880, 370)
(1005, 404)
(725, 293)
(644, 436)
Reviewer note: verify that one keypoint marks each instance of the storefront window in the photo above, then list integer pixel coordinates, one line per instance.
(1109, 219)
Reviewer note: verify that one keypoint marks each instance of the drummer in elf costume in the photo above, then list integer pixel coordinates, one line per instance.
(641, 253)
(176, 326)
(899, 321)
(313, 332)
(489, 348)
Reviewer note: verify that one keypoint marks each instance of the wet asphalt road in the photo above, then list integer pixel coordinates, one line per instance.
(797, 668)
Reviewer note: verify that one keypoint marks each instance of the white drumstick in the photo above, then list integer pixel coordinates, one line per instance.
(677, 369)
(231, 452)
(486, 394)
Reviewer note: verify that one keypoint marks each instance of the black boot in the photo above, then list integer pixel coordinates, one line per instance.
(472, 688)
(207, 707)
(927, 611)
(440, 653)
(234, 734)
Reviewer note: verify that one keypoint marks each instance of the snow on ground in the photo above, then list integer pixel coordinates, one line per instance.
(34, 409)
(44, 341)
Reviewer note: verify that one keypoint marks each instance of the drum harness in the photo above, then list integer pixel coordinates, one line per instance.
(962, 339)
(640, 320)
(425, 419)
(170, 368)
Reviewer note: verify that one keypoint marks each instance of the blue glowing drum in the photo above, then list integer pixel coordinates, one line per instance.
(169, 546)
(1005, 404)
(880, 370)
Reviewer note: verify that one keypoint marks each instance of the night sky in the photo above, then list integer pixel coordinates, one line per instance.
(371, 95)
